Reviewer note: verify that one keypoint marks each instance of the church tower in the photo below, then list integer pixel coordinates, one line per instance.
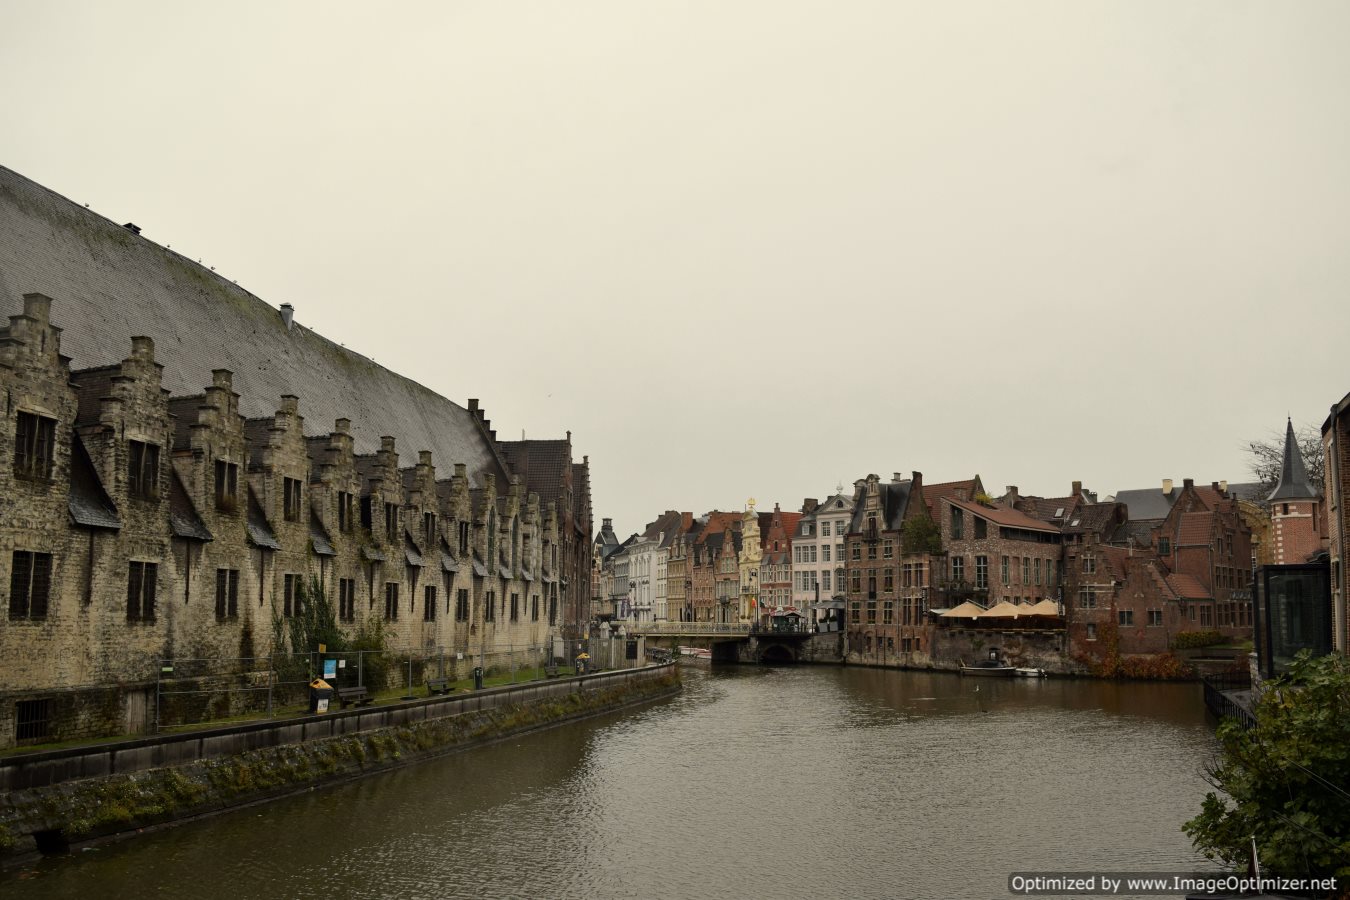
(1296, 510)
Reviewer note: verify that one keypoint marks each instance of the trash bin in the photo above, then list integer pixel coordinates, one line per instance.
(477, 678)
(320, 692)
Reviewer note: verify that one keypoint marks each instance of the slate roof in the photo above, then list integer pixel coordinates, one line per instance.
(109, 284)
(183, 516)
(543, 463)
(318, 535)
(1148, 503)
(91, 386)
(1090, 519)
(259, 531)
(88, 502)
(1293, 483)
(894, 499)
(184, 412)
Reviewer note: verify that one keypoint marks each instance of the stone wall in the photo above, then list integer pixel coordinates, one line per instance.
(204, 548)
(64, 798)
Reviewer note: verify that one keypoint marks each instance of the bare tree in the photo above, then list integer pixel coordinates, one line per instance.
(1268, 456)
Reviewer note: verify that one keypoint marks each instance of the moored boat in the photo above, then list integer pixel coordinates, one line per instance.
(988, 667)
(1025, 672)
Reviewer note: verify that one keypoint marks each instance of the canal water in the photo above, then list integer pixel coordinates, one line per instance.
(754, 782)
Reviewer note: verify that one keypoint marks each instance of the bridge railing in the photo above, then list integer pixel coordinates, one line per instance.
(687, 628)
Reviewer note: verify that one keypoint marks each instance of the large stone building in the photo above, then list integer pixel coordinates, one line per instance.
(181, 465)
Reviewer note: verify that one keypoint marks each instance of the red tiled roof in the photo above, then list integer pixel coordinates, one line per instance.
(1004, 515)
(932, 492)
(1195, 529)
(1187, 587)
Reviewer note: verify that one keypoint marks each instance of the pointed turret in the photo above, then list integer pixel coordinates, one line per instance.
(1293, 483)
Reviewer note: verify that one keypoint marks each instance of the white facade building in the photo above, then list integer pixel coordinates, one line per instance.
(818, 551)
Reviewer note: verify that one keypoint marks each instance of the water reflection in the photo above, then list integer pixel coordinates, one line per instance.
(754, 782)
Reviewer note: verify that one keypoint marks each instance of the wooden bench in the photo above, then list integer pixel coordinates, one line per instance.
(349, 695)
(438, 686)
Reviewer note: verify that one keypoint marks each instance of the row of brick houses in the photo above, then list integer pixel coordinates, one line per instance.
(937, 575)
(167, 496)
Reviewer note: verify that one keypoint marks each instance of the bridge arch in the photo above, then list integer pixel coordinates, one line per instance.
(777, 654)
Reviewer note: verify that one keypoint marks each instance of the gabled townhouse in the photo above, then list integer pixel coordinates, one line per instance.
(775, 568)
(818, 554)
(891, 546)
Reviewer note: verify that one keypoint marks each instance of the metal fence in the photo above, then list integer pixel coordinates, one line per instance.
(192, 691)
(1230, 696)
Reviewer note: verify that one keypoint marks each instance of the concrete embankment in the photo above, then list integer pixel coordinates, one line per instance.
(50, 801)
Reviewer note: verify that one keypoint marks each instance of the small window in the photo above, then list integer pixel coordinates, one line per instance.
(490, 607)
(553, 610)
(34, 446)
(391, 601)
(534, 608)
(429, 604)
(347, 599)
(227, 594)
(981, 529)
(345, 509)
(1125, 616)
(429, 528)
(142, 470)
(1154, 618)
(1164, 546)
(1091, 631)
(30, 581)
(227, 486)
(293, 604)
(141, 579)
(32, 721)
(958, 524)
(291, 488)
(462, 605)
(391, 522)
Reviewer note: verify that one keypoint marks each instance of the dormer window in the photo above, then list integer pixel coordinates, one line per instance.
(227, 486)
(34, 443)
(291, 490)
(143, 470)
(345, 511)
(391, 522)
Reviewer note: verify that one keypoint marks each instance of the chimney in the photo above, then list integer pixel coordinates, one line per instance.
(917, 478)
(424, 458)
(461, 470)
(387, 443)
(1214, 486)
(132, 227)
(1010, 495)
(287, 315)
(342, 426)
(1167, 487)
(143, 347)
(1223, 486)
(1188, 482)
(290, 404)
(810, 505)
(896, 478)
(473, 404)
(686, 521)
(1078, 488)
(221, 378)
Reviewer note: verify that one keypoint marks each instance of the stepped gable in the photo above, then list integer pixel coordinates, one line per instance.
(108, 282)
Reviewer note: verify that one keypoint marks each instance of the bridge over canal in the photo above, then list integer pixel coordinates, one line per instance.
(745, 643)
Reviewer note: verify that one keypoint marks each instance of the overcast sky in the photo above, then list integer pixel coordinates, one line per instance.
(753, 249)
